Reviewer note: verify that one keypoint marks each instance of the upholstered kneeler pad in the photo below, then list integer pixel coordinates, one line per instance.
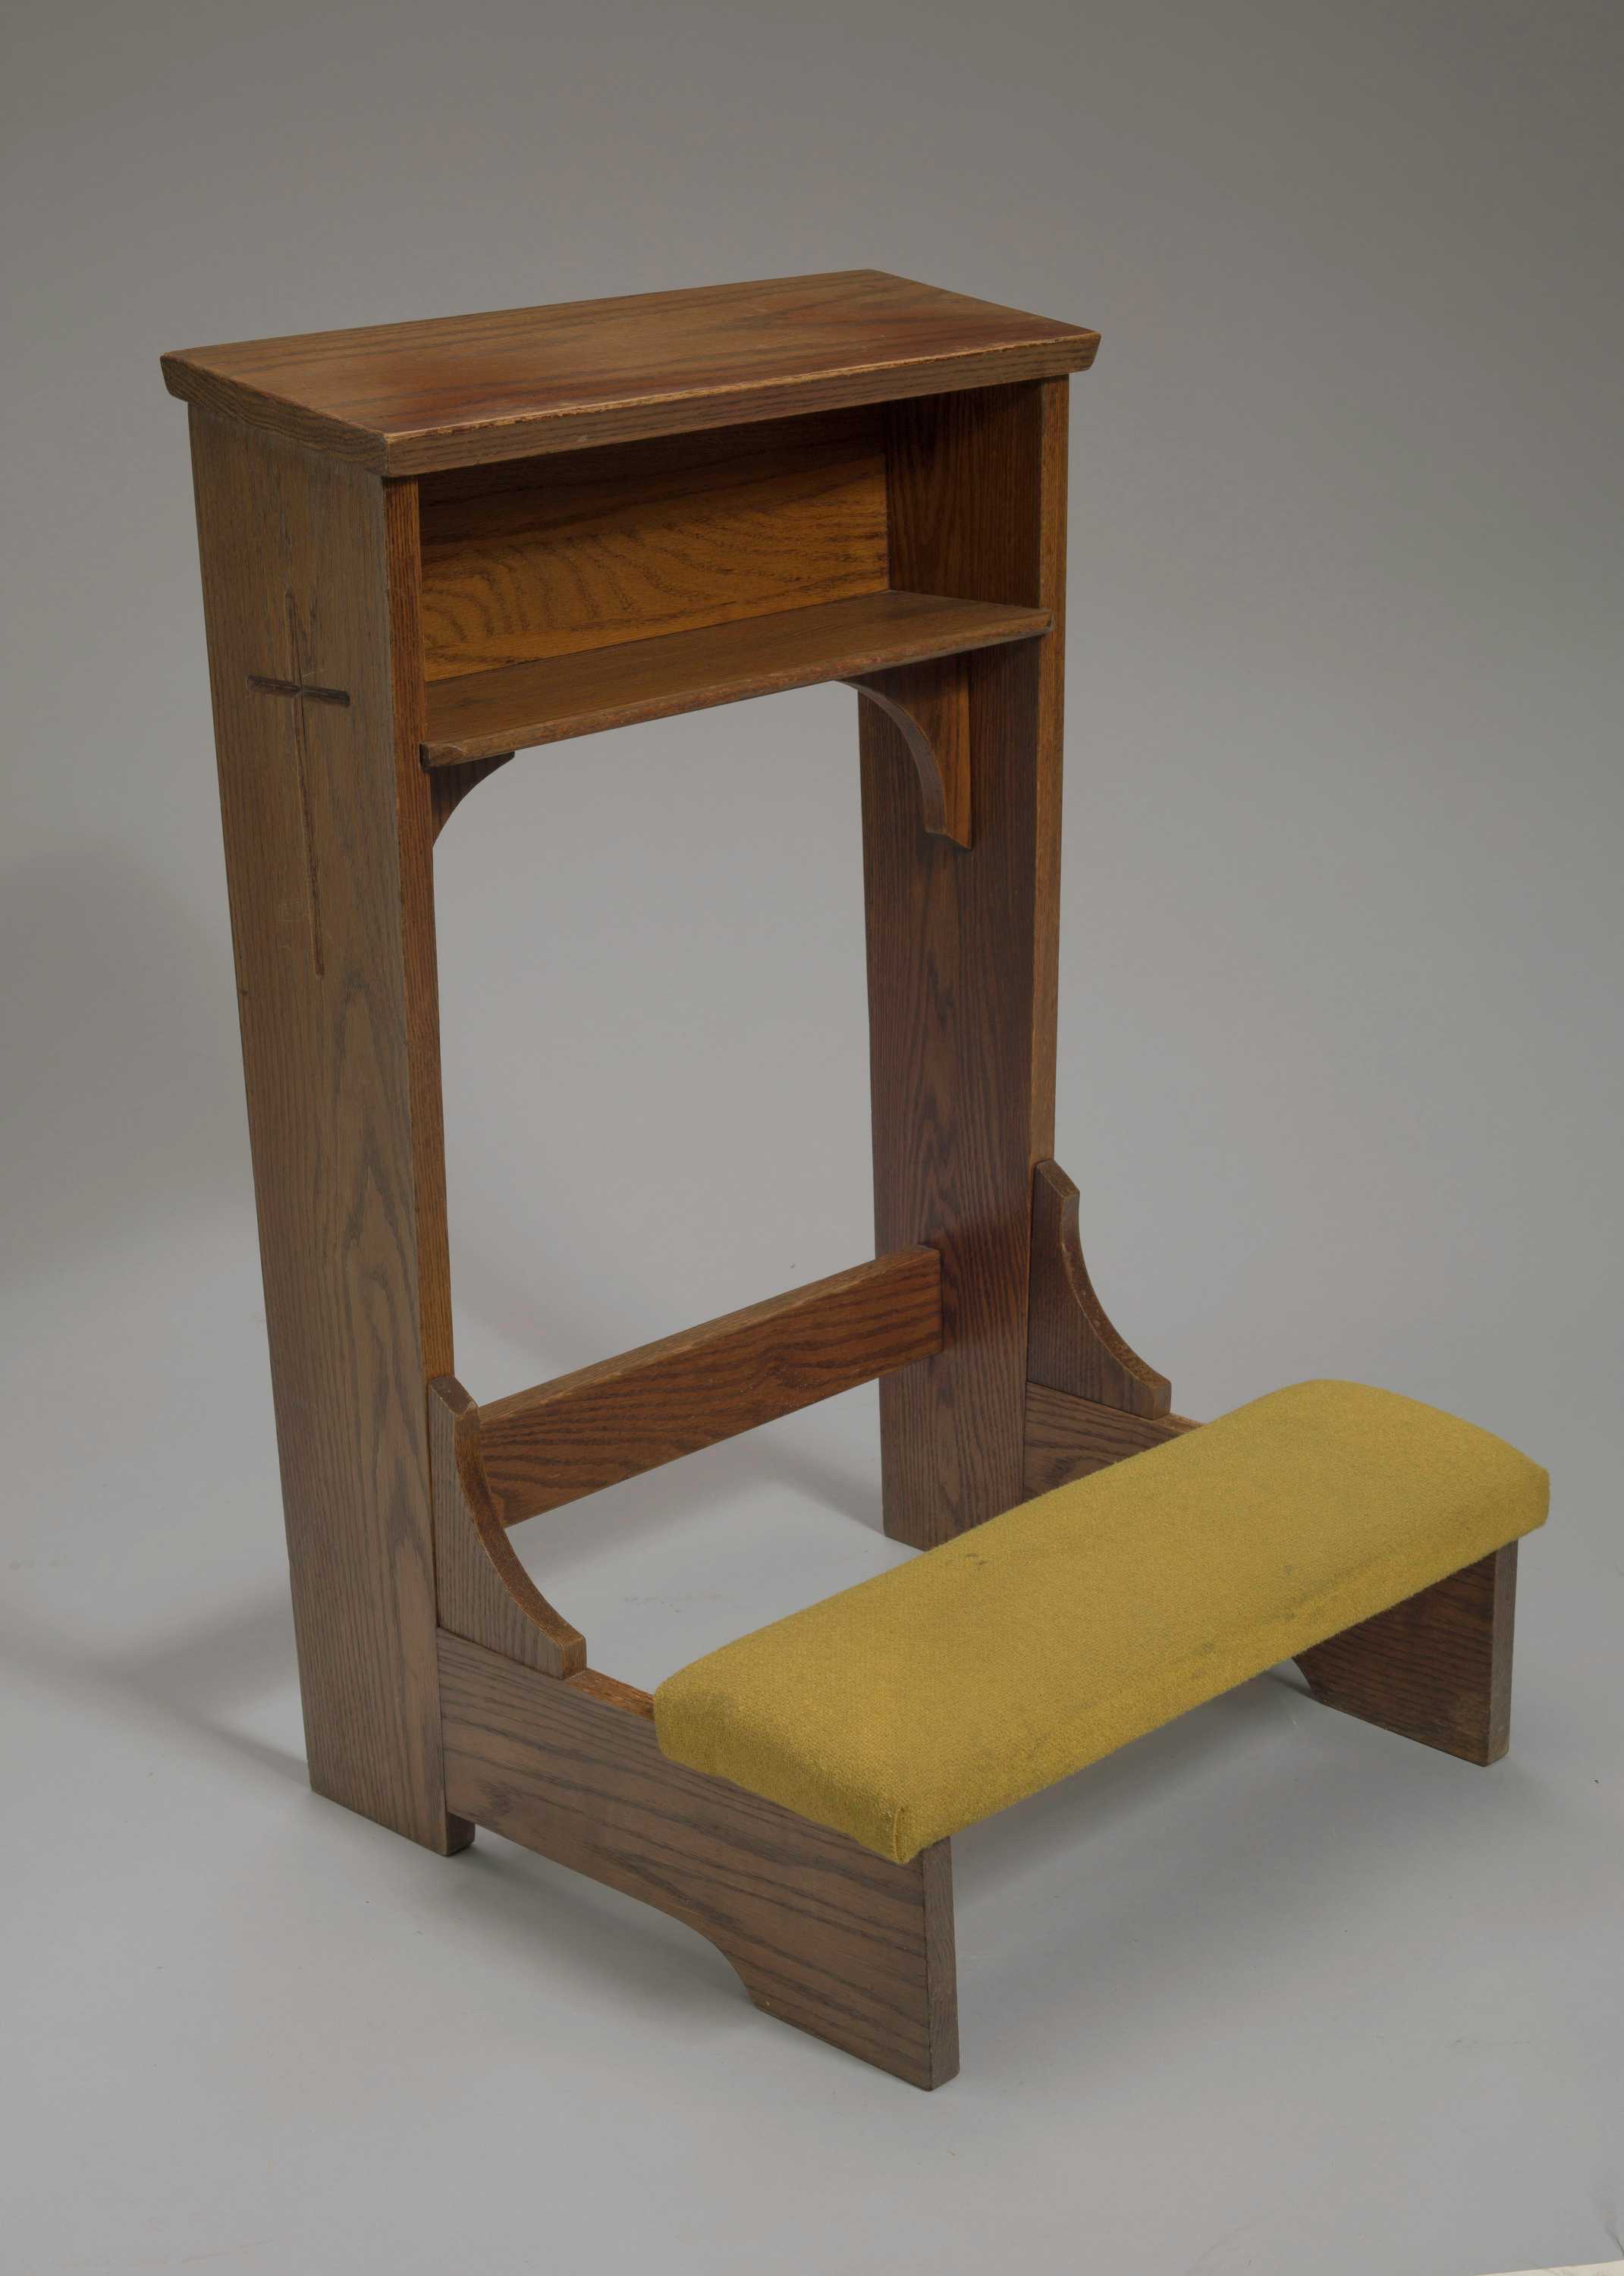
(907, 1708)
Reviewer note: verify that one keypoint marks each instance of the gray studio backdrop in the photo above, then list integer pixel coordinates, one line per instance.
(1341, 1081)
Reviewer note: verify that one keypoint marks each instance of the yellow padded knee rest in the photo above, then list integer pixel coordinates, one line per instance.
(909, 1707)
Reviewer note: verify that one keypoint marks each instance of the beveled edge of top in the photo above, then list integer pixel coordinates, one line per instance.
(312, 387)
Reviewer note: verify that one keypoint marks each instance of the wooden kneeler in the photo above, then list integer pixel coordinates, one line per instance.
(427, 546)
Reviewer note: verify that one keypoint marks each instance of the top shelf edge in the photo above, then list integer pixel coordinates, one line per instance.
(520, 706)
(406, 399)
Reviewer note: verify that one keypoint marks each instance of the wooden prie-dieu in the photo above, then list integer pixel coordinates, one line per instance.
(427, 546)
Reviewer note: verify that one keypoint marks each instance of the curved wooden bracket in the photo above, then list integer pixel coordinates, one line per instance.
(1070, 1344)
(448, 786)
(483, 1593)
(930, 704)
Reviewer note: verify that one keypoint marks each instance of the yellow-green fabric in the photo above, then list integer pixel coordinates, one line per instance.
(981, 1672)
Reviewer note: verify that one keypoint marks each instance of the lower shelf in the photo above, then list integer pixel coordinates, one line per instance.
(488, 713)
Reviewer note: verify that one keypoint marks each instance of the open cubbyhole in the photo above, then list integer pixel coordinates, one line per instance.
(591, 588)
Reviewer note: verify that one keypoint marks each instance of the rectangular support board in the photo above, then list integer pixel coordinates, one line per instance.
(1068, 1438)
(546, 1446)
(521, 705)
(824, 1934)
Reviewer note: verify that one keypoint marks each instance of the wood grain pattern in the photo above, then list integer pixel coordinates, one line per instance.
(594, 1684)
(306, 570)
(929, 706)
(448, 786)
(962, 949)
(824, 1934)
(590, 548)
(544, 1448)
(1070, 1344)
(460, 391)
(1068, 1437)
(525, 704)
(485, 1595)
(1436, 1668)
(417, 822)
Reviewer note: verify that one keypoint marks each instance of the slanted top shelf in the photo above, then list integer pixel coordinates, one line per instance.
(485, 714)
(466, 391)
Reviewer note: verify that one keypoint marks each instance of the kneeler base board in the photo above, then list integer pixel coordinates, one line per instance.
(426, 547)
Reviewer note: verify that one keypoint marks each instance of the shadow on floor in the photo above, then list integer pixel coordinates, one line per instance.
(199, 1680)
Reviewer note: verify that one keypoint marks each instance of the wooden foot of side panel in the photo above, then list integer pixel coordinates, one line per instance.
(310, 582)
(1437, 1667)
(1068, 1437)
(824, 1934)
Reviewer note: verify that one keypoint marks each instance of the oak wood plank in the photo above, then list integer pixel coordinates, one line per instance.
(418, 821)
(483, 714)
(456, 390)
(962, 949)
(1436, 1668)
(824, 1934)
(308, 569)
(1068, 1438)
(590, 548)
(596, 1684)
(544, 1448)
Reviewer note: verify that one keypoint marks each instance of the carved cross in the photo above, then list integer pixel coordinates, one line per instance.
(303, 692)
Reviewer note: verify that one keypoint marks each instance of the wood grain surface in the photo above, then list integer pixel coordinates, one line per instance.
(590, 548)
(1436, 1668)
(1070, 1344)
(448, 786)
(592, 1683)
(307, 570)
(485, 1595)
(461, 391)
(929, 706)
(543, 1447)
(824, 1934)
(1068, 1438)
(962, 948)
(418, 818)
(485, 713)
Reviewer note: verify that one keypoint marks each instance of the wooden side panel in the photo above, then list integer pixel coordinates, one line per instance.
(592, 548)
(1436, 1668)
(308, 569)
(544, 1448)
(824, 1934)
(963, 946)
(418, 819)
(1068, 1437)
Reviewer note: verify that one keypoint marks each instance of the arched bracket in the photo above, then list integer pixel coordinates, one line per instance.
(1070, 1344)
(448, 786)
(930, 704)
(482, 1591)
